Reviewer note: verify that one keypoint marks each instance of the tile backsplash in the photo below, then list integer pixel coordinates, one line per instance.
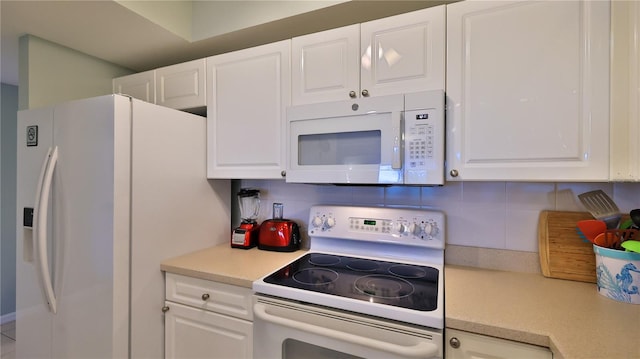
(497, 215)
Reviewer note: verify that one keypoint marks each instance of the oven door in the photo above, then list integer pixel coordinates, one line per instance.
(285, 329)
(358, 141)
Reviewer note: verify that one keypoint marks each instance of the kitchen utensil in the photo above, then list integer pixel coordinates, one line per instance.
(635, 217)
(590, 228)
(601, 207)
(562, 252)
(612, 238)
(633, 246)
(602, 241)
(617, 236)
(279, 234)
(246, 235)
(626, 224)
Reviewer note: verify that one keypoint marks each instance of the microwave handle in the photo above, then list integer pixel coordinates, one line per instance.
(396, 122)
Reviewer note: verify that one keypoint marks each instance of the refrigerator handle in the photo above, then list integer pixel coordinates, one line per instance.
(40, 217)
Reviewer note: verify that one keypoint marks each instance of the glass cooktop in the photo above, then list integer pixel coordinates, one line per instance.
(402, 285)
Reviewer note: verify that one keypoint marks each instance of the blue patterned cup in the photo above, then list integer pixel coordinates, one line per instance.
(618, 274)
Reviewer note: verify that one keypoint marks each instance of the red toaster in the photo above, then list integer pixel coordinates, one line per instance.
(281, 235)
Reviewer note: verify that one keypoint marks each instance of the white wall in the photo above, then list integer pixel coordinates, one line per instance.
(8, 123)
(213, 18)
(175, 16)
(500, 215)
(51, 73)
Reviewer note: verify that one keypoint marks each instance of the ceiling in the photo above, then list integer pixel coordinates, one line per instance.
(109, 31)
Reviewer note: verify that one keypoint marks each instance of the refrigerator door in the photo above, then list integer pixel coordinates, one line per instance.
(92, 319)
(92, 294)
(34, 320)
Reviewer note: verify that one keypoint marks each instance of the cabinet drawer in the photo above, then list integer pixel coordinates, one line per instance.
(465, 345)
(216, 297)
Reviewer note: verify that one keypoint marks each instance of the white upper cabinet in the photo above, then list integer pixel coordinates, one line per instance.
(408, 56)
(141, 86)
(249, 91)
(625, 91)
(182, 86)
(528, 90)
(325, 66)
(403, 53)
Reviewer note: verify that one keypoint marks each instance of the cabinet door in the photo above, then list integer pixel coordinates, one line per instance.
(182, 86)
(325, 66)
(465, 345)
(403, 53)
(246, 111)
(141, 86)
(625, 91)
(197, 333)
(528, 90)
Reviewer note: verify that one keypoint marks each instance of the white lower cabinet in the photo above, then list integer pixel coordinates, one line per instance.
(465, 345)
(205, 319)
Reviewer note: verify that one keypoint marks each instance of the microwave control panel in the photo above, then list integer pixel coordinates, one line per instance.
(424, 146)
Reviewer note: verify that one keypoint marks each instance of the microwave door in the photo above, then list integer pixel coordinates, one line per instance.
(363, 148)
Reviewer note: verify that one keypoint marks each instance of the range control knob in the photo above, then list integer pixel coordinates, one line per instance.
(317, 221)
(415, 229)
(431, 229)
(401, 228)
(330, 222)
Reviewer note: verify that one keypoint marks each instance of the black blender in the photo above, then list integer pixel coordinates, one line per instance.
(246, 235)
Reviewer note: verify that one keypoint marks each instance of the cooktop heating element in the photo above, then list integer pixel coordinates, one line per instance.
(407, 286)
(380, 261)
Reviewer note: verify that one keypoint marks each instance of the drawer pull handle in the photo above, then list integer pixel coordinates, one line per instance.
(454, 342)
(205, 296)
(165, 309)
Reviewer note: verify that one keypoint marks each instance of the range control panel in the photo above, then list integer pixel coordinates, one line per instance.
(415, 227)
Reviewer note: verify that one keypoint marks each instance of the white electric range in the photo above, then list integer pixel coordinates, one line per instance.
(371, 285)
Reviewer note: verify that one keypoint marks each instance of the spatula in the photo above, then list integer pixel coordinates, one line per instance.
(601, 207)
(590, 228)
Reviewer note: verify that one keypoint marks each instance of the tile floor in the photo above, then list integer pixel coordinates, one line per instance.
(8, 343)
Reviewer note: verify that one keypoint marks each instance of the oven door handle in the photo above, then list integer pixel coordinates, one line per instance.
(420, 350)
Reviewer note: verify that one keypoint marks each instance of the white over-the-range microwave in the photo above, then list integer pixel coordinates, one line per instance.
(387, 140)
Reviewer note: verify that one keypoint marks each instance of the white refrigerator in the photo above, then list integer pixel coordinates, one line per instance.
(108, 187)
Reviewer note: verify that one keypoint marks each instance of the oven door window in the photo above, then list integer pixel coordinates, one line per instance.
(292, 348)
(343, 148)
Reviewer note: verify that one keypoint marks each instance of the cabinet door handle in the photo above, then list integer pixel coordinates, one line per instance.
(352, 94)
(205, 296)
(454, 173)
(365, 93)
(165, 309)
(454, 342)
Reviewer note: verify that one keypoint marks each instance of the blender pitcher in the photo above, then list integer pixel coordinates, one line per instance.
(246, 235)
